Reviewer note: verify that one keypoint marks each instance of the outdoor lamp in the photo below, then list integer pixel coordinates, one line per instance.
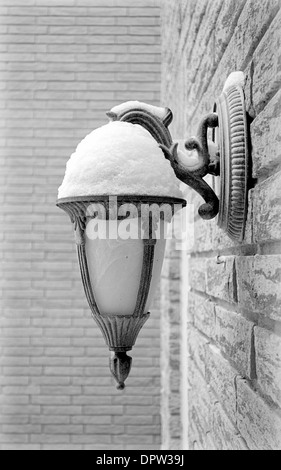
(120, 229)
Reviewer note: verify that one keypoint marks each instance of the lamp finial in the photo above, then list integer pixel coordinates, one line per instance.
(120, 366)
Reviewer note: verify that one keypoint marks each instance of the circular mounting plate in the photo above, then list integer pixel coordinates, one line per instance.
(233, 144)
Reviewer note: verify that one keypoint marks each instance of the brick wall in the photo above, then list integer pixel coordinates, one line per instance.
(64, 63)
(234, 329)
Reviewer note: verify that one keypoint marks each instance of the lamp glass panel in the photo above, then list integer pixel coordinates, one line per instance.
(114, 253)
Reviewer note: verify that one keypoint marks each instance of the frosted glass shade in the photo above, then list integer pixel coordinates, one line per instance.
(115, 267)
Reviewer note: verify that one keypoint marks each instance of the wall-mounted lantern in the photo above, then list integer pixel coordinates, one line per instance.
(121, 195)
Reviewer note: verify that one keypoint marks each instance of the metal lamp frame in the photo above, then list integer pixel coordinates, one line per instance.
(120, 332)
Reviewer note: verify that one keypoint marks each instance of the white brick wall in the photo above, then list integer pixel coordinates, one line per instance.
(64, 63)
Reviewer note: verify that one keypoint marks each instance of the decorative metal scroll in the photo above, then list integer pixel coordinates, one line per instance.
(159, 130)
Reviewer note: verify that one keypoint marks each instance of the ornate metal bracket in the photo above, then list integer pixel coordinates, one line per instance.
(156, 122)
(226, 156)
